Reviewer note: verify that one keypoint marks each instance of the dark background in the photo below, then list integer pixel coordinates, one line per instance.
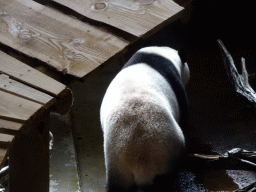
(216, 112)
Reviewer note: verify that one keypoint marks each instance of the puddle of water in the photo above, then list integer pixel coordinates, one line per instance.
(197, 179)
(216, 180)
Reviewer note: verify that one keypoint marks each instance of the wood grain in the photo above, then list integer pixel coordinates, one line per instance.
(16, 108)
(26, 74)
(65, 43)
(21, 90)
(136, 17)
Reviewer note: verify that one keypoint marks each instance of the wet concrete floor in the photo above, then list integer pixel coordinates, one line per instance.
(63, 165)
(87, 131)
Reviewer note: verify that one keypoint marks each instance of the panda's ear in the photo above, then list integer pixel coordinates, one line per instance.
(182, 54)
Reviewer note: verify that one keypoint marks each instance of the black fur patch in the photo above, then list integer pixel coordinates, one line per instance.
(183, 55)
(167, 69)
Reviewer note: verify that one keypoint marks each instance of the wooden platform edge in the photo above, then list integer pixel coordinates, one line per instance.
(23, 73)
(10, 127)
(16, 88)
(64, 102)
(163, 24)
(3, 155)
(6, 140)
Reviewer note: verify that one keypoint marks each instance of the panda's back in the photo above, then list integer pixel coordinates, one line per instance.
(143, 82)
(141, 127)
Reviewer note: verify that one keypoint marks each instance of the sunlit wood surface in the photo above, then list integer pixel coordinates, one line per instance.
(137, 17)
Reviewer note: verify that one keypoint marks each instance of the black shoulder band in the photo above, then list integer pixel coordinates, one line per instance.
(167, 69)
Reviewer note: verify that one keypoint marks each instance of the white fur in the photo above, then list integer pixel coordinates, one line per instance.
(139, 116)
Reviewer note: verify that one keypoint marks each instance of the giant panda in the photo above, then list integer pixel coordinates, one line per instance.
(143, 113)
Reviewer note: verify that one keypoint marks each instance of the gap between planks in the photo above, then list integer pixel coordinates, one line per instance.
(24, 91)
(28, 75)
(99, 25)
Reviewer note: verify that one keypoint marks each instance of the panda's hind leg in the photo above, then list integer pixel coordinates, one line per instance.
(163, 183)
(118, 182)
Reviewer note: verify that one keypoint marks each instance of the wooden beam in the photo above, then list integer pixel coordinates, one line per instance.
(29, 158)
(64, 104)
(65, 43)
(135, 17)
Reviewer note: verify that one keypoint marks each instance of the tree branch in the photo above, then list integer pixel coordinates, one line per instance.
(239, 82)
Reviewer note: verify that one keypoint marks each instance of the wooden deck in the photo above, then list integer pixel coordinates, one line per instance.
(41, 46)
(74, 47)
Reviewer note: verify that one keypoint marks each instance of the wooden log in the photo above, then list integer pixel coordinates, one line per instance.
(29, 158)
(137, 17)
(67, 44)
(239, 82)
(235, 159)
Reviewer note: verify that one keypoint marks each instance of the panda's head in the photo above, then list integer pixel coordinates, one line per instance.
(178, 58)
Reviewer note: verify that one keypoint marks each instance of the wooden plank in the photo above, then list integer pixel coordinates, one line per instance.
(21, 90)
(3, 155)
(17, 108)
(6, 140)
(65, 43)
(10, 127)
(133, 16)
(26, 74)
